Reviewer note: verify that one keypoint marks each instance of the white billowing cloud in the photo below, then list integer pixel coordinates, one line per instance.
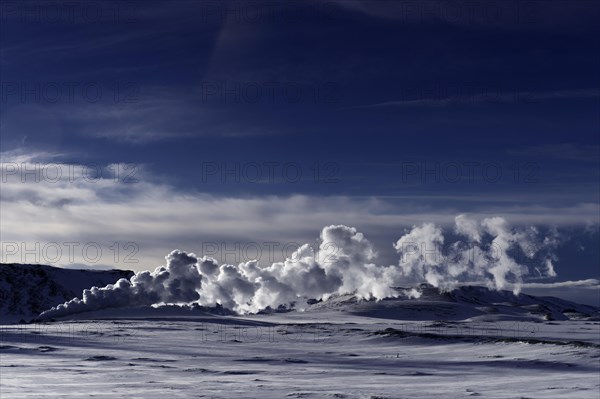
(177, 282)
(249, 287)
(341, 264)
(347, 254)
(468, 227)
(489, 250)
(421, 251)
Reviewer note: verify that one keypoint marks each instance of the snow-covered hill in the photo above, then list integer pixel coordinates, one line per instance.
(26, 290)
(464, 303)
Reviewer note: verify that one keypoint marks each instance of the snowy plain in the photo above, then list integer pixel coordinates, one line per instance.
(333, 350)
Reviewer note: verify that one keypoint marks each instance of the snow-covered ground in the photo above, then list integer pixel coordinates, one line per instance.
(465, 343)
(320, 354)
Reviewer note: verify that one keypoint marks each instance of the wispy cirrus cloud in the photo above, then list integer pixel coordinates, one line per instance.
(474, 96)
(496, 14)
(567, 151)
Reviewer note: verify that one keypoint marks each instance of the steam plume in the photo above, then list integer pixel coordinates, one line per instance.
(488, 250)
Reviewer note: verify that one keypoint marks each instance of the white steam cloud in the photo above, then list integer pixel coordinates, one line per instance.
(491, 251)
(488, 250)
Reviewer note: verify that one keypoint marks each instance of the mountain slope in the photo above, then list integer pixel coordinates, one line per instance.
(26, 290)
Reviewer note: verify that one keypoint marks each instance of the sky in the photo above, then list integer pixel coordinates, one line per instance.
(242, 128)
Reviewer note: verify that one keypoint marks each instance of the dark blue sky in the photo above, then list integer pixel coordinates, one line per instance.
(435, 107)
